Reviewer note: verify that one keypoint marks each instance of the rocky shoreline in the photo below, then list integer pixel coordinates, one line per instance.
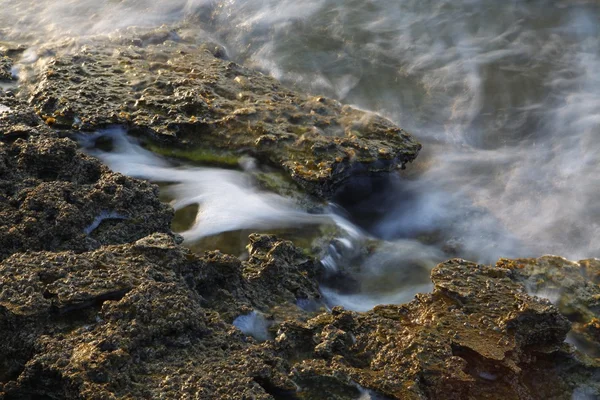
(99, 299)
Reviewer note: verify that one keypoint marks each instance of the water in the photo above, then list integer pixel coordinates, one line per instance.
(228, 200)
(505, 97)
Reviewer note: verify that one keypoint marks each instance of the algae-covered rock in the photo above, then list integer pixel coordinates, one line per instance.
(54, 197)
(182, 95)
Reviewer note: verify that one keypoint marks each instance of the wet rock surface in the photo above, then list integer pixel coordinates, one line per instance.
(478, 335)
(183, 95)
(6, 65)
(574, 287)
(151, 319)
(54, 197)
(99, 300)
(121, 322)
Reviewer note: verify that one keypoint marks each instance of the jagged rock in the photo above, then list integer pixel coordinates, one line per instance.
(98, 300)
(8, 53)
(574, 287)
(122, 322)
(276, 273)
(139, 320)
(184, 95)
(54, 197)
(6, 65)
(18, 120)
(478, 335)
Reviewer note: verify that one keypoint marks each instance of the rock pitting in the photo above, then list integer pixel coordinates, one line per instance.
(184, 96)
(99, 300)
(54, 197)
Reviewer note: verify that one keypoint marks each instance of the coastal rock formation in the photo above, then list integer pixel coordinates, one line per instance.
(6, 64)
(141, 320)
(54, 197)
(478, 335)
(574, 287)
(121, 322)
(99, 300)
(186, 97)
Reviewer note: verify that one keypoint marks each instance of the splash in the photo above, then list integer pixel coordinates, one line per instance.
(253, 324)
(228, 200)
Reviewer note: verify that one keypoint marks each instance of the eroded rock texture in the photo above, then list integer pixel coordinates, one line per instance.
(124, 321)
(478, 335)
(183, 95)
(140, 320)
(573, 286)
(54, 197)
(99, 300)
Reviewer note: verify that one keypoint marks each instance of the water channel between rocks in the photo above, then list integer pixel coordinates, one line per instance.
(504, 96)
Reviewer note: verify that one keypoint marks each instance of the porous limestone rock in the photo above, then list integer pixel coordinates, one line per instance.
(478, 335)
(54, 197)
(186, 97)
(573, 286)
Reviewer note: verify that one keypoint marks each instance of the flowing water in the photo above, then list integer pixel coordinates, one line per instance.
(504, 95)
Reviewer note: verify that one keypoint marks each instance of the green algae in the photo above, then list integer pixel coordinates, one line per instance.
(199, 156)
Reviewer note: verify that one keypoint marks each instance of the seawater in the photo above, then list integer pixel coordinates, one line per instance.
(505, 97)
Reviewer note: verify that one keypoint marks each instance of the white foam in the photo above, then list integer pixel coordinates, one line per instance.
(4, 109)
(253, 324)
(228, 200)
(104, 215)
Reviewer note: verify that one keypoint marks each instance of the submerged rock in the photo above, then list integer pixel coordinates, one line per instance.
(183, 95)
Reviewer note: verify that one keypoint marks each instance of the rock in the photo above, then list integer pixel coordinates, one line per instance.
(18, 120)
(276, 273)
(122, 322)
(98, 299)
(574, 287)
(185, 97)
(478, 335)
(54, 197)
(151, 319)
(6, 64)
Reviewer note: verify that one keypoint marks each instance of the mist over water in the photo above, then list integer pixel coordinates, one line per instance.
(505, 97)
